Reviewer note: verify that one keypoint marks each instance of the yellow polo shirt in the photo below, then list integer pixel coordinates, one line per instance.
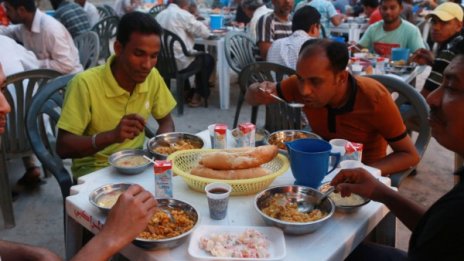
(94, 102)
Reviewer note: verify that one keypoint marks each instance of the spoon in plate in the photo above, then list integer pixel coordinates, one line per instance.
(290, 104)
(306, 207)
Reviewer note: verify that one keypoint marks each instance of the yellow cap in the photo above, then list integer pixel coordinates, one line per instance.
(447, 11)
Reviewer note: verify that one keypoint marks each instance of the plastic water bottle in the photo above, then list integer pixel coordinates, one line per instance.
(380, 66)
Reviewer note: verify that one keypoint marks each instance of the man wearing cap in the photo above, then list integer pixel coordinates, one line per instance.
(446, 28)
(306, 24)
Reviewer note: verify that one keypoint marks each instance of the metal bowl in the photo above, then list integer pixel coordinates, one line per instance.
(172, 138)
(131, 170)
(279, 138)
(298, 194)
(103, 192)
(261, 135)
(344, 208)
(173, 241)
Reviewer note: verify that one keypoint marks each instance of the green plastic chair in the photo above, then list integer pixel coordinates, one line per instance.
(155, 10)
(414, 111)
(88, 45)
(106, 29)
(278, 116)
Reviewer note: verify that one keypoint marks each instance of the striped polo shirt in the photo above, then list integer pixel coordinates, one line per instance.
(269, 28)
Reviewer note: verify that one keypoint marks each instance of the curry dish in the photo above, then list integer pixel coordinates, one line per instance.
(161, 226)
(279, 140)
(281, 209)
(167, 149)
(131, 161)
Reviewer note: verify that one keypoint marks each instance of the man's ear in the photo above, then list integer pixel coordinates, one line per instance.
(315, 30)
(117, 48)
(342, 77)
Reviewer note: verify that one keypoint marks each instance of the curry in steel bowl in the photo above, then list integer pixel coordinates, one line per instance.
(165, 144)
(279, 138)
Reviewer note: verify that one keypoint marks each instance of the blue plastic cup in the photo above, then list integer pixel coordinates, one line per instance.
(309, 161)
(399, 54)
(339, 39)
(216, 22)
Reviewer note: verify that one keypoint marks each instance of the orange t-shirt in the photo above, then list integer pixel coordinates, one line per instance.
(369, 117)
(3, 17)
(375, 16)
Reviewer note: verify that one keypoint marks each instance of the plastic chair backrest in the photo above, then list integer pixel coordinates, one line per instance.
(88, 46)
(106, 29)
(279, 116)
(49, 102)
(110, 10)
(21, 88)
(156, 10)
(166, 64)
(103, 12)
(240, 50)
(414, 111)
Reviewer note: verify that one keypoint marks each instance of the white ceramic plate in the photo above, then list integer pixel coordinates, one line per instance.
(276, 236)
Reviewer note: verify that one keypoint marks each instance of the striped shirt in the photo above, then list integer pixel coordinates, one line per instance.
(73, 17)
(444, 57)
(270, 28)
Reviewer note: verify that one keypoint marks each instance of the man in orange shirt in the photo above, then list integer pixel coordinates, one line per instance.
(339, 105)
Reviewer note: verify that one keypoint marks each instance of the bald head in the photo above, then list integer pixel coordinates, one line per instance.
(336, 52)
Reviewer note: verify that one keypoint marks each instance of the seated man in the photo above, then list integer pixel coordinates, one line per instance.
(446, 29)
(436, 232)
(306, 24)
(42, 34)
(177, 19)
(123, 7)
(91, 11)
(339, 105)
(328, 13)
(274, 25)
(391, 32)
(106, 108)
(72, 16)
(254, 9)
(371, 10)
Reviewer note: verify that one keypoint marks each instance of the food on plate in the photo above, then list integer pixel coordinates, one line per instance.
(280, 207)
(399, 63)
(352, 200)
(166, 148)
(131, 161)
(249, 244)
(161, 226)
(364, 50)
(205, 172)
(279, 140)
(240, 158)
(108, 200)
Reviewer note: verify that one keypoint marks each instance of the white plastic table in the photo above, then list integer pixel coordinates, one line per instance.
(334, 241)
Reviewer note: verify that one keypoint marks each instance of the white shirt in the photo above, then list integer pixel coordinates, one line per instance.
(49, 40)
(92, 13)
(260, 11)
(15, 58)
(285, 51)
(186, 26)
(121, 6)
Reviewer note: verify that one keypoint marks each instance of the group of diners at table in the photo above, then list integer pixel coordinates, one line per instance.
(106, 109)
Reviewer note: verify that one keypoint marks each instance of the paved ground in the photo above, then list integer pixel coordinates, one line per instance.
(39, 213)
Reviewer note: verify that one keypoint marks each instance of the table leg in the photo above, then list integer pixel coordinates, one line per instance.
(73, 237)
(222, 69)
(6, 201)
(385, 232)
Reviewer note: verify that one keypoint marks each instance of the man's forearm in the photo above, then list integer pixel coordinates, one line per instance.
(73, 146)
(405, 210)
(395, 162)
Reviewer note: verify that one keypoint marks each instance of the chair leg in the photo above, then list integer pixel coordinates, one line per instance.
(241, 98)
(180, 95)
(6, 201)
(254, 114)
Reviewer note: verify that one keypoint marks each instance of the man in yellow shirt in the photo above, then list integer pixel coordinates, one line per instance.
(106, 108)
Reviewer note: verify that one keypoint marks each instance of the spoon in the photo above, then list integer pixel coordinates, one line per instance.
(306, 207)
(290, 104)
(173, 220)
(149, 159)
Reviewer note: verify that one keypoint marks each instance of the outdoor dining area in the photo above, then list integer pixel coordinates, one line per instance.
(238, 142)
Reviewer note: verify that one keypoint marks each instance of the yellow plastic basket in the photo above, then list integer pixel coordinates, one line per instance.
(185, 160)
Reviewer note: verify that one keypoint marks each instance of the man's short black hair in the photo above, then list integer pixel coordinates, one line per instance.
(400, 2)
(29, 5)
(136, 22)
(305, 17)
(336, 52)
(370, 3)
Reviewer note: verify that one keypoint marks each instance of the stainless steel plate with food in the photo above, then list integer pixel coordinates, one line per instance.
(279, 138)
(345, 204)
(130, 161)
(106, 196)
(165, 144)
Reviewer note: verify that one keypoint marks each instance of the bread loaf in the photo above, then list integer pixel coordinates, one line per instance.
(241, 158)
(205, 172)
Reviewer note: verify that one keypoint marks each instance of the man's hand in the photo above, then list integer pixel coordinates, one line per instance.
(129, 127)
(130, 215)
(360, 182)
(423, 57)
(259, 93)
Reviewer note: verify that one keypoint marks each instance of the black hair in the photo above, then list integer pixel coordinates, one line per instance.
(304, 18)
(29, 5)
(336, 52)
(136, 22)
(400, 2)
(370, 3)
